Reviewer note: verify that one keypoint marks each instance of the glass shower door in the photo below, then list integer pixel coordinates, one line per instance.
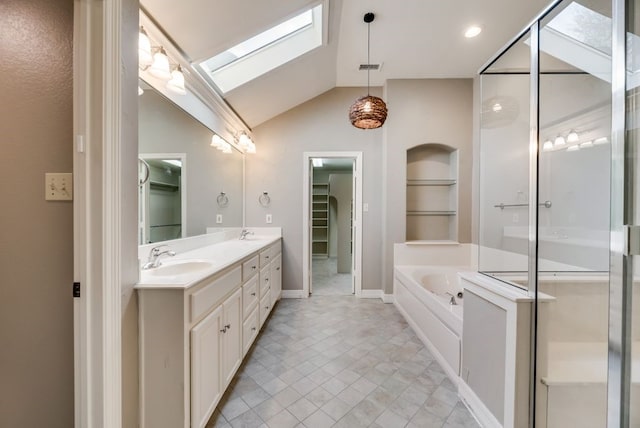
(573, 217)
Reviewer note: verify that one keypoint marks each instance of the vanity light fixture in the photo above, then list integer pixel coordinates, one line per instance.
(160, 67)
(144, 48)
(559, 141)
(573, 148)
(154, 59)
(547, 146)
(368, 112)
(572, 137)
(601, 140)
(472, 31)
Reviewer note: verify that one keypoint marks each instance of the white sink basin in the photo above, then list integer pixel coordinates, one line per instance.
(180, 267)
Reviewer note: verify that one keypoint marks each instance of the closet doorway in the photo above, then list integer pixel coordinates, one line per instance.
(332, 223)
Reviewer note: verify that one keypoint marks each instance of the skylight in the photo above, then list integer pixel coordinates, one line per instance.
(265, 51)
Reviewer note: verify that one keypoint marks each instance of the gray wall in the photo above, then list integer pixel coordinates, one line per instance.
(424, 111)
(36, 242)
(320, 124)
(165, 128)
(420, 111)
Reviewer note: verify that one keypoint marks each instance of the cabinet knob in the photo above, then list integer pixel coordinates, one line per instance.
(266, 280)
(253, 329)
(253, 267)
(224, 330)
(278, 268)
(253, 294)
(266, 307)
(227, 327)
(266, 257)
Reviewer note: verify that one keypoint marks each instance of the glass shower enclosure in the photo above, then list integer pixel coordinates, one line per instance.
(558, 201)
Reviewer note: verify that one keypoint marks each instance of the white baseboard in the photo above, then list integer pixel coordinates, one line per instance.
(482, 414)
(371, 294)
(388, 298)
(294, 294)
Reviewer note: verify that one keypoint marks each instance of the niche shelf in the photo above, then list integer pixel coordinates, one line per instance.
(320, 220)
(432, 193)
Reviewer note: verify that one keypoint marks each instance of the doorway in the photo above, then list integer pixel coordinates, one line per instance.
(332, 223)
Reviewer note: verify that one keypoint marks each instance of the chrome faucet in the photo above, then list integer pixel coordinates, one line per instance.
(154, 256)
(452, 301)
(244, 233)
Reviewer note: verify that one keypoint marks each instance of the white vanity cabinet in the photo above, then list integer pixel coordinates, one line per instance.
(193, 338)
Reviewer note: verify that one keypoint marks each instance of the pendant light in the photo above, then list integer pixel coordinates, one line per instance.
(368, 112)
(160, 67)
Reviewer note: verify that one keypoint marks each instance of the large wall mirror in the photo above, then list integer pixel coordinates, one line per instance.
(189, 185)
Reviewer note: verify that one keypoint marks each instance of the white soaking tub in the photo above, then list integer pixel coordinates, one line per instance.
(423, 296)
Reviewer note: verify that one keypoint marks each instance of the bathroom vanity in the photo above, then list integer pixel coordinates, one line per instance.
(199, 314)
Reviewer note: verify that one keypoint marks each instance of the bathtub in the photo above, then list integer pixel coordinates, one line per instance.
(420, 294)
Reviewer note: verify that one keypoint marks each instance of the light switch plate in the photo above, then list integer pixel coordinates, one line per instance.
(58, 186)
(219, 218)
(269, 219)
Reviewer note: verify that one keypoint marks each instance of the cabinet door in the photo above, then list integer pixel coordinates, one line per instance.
(276, 279)
(232, 336)
(206, 388)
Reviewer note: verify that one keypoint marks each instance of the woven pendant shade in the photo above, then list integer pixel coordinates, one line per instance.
(368, 112)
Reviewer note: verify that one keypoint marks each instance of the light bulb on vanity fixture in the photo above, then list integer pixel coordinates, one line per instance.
(145, 58)
(176, 84)
(160, 67)
(559, 141)
(572, 137)
(547, 146)
(245, 143)
(217, 141)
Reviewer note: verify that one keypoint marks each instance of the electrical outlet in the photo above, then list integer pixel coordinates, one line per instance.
(515, 218)
(219, 218)
(365, 207)
(269, 219)
(58, 186)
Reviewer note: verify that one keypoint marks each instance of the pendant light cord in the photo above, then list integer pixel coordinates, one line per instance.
(368, 55)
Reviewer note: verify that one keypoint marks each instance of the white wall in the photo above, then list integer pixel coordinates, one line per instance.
(320, 124)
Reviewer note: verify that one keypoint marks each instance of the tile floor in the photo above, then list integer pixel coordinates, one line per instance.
(326, 279)
(339, 362)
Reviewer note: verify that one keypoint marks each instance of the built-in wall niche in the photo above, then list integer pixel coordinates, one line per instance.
(432, 193)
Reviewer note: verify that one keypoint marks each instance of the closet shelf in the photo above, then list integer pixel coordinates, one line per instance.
(164, 186)
(431, 213)
(432, 182)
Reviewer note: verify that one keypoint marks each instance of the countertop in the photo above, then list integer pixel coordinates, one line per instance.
(221, 255)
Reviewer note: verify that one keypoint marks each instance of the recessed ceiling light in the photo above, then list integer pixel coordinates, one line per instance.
(472, 31)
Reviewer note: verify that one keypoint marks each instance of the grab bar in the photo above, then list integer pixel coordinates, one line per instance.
(546, 204)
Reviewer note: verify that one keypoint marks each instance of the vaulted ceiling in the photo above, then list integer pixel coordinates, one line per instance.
(410, 38)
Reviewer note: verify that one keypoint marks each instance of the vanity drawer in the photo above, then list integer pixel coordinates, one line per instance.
(275, 249)
(249, 296)
(204, 299)
(250, 330)
(250, 268)
(265, 306)
(265, 257)
(265, 280)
